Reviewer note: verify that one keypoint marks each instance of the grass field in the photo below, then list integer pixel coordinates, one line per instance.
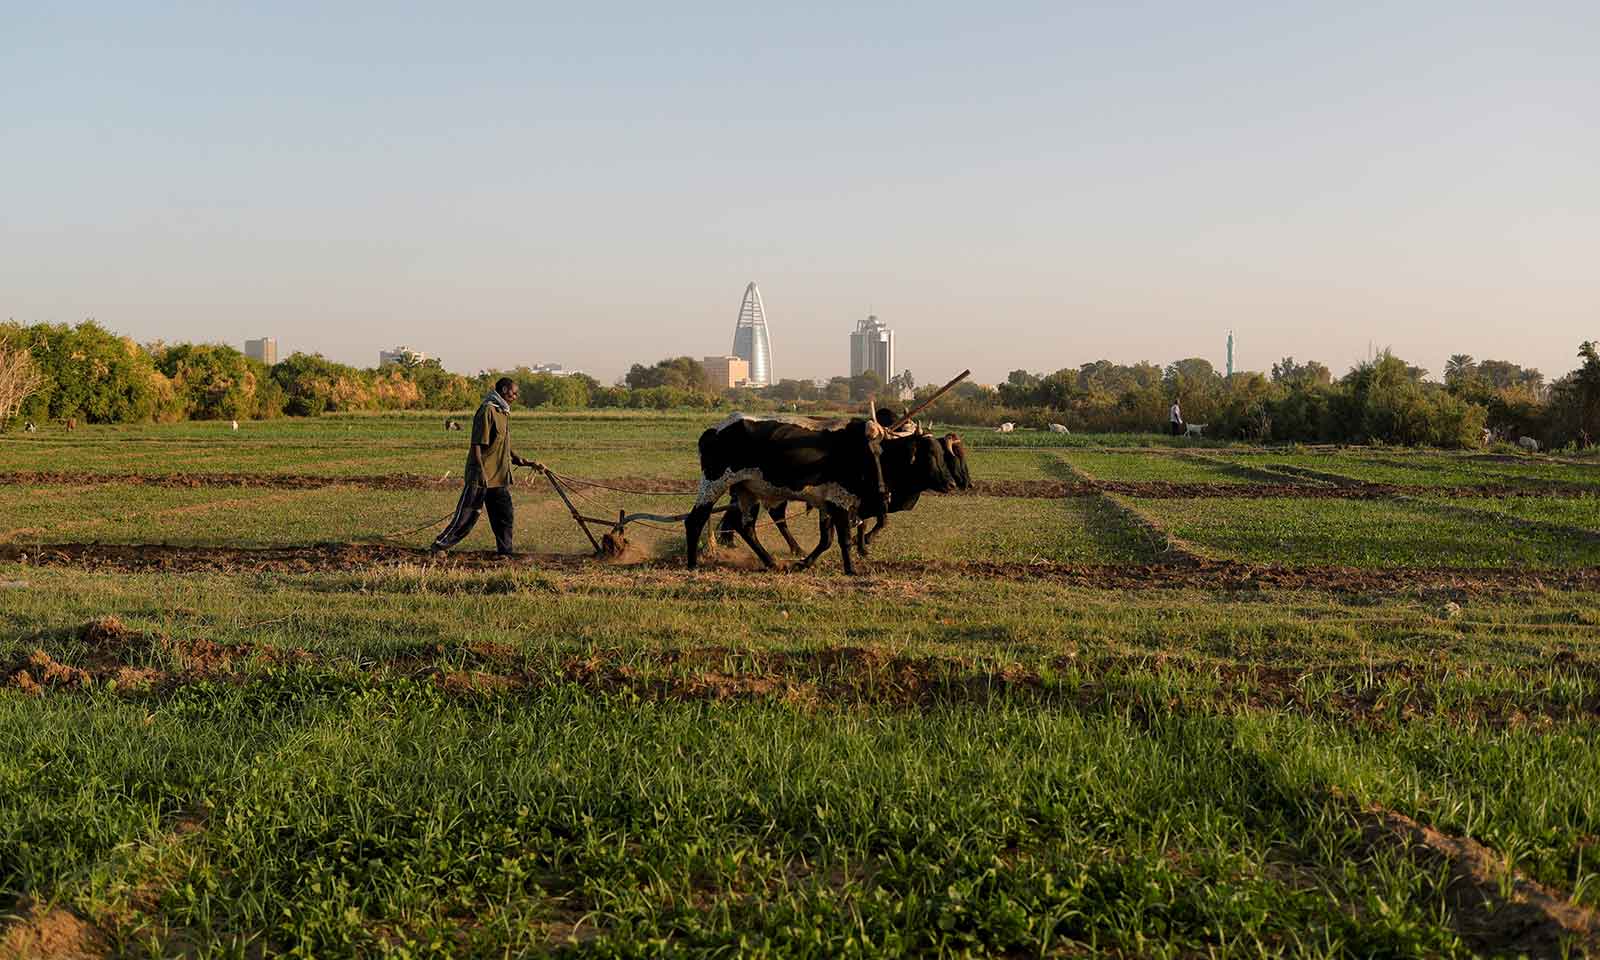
(1148, 700)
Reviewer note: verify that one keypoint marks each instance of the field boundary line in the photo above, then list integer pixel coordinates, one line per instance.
(1493, 905)
(1163, 545)
(1462, 512)
(1081, 485)
(1200, 573)
(1233, 468)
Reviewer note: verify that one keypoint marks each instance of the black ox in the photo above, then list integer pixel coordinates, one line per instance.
(912, 465)
(770, 462)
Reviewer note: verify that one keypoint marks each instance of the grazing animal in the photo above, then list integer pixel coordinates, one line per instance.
(1059, 428)
(72, 423)
(767, 462)
(912, 465)
(1529, 444)
(233, 425)
(451, 425)
(1006, 427)
(1193, 429)
(28, 427)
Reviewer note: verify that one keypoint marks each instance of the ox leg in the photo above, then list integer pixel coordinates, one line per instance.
(841, 523)
(732, 520)
(748, 531)
(780, 519)
(693, 526)
(824, 540)
(864, 536)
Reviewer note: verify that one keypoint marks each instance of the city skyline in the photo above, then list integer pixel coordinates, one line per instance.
(1039, 186)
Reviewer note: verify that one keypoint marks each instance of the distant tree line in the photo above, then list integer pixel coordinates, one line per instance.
(1385, 400)
(85, 372)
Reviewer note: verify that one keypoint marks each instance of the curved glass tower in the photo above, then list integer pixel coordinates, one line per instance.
(750, 340)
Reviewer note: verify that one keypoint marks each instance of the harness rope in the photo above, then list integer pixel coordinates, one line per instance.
(577, 488)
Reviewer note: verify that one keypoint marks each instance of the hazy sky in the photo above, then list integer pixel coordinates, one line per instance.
(1007, 184)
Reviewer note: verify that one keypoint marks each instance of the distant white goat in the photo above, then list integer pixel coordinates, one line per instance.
(233, 425)
(1006, 427)
(1193, 429)
(1059, 428)
(1529, 444)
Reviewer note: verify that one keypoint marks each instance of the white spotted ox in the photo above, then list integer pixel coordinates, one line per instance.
(913, 464)
(765, 462)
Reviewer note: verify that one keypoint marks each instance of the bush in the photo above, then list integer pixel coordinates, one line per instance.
(91, 374)
(211, 382)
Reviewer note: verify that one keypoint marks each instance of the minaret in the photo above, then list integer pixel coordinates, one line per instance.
(1230, 353)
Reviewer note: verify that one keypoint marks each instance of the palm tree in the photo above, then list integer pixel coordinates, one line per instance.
(1459, 367)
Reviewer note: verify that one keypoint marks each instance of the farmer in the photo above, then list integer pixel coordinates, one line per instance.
(1175, 416)
(488, 473)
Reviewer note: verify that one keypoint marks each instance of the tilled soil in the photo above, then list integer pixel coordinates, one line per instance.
(1177, 573)
(105, 654)
(1313, 487)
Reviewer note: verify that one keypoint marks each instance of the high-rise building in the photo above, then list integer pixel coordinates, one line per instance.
(265, 350)
(872, 348)
(1230, 353)
(750, 340)
(724, 372)
(402, 355)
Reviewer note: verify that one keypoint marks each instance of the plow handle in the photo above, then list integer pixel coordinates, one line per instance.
(924, 404)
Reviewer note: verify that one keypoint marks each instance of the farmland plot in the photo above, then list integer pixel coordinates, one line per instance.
(1386, 534)
(1073, 719)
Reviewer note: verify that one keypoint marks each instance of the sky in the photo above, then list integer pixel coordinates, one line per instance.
(1008, 185)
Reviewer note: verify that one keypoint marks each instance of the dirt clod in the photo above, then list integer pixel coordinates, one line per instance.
(56, 933)
(105, 631)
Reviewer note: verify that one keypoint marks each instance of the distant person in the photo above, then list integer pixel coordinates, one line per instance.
(1175, 416)
(488, 474)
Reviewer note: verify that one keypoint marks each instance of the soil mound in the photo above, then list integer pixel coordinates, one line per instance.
(51, 934)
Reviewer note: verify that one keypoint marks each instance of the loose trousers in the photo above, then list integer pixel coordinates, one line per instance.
(473, 500)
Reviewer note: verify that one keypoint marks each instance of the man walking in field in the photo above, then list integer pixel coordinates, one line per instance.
(1175, 416)
(488, 473)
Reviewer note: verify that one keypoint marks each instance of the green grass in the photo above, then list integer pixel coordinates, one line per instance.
(1371, 533)
(948, 756)
(1148, 465)
(1577, 514)
(349, 805)
(1421, 468)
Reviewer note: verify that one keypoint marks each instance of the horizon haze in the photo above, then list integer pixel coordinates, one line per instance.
(1034, 185)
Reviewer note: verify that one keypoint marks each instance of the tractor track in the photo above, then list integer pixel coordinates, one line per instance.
(1025, 489)
(1183, 572)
